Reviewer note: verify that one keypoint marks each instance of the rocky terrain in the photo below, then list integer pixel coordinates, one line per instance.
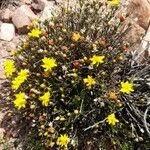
(17, 15)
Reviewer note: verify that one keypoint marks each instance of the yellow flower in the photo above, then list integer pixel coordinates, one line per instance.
(126, 87)
(16, 83)
(9, 67)
(89, 81)
(76, 37)
(22, 76)
(111, 119)
(49, 64)
(20, 101)
(45, 99)
(97, 59)
(113, 2)
(35, 33)
(63, 140)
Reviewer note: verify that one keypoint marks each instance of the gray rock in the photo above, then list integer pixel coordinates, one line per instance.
(40, 5)
(7, 31)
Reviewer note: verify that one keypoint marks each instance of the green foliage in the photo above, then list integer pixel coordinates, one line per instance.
(78, 81)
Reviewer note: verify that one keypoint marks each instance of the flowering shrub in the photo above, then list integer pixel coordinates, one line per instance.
(73, 85)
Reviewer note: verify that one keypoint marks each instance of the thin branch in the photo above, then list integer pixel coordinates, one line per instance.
(145, 121)
(94, 125)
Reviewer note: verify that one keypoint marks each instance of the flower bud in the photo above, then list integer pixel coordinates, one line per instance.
(76, 111)
(62, 119)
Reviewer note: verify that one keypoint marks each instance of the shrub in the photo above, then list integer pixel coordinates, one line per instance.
(74, 86)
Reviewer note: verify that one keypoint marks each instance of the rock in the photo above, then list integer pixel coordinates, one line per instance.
(142, 53)
(140, 11)
(6, 15)
(35, 7)
(27, 11)
(1, 23)
(40, 5)
(138, 45)
(47, 12)
(146, 39)
(135, 33)
(4, 53)
(21, 22)
(147, 35)
(22, 18)
(7, 31)
(2, 79)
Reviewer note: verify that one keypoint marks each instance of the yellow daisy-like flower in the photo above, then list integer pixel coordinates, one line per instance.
(20, 101)
(35, 33)
(96, 59)
(9, 67)
(45, 99)
(113, 2)
(126, 87)
(89, 81)
(16, 83)
(49, 63)
(22, 76)
(63, 140)
(76, 37)
(111, 119)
